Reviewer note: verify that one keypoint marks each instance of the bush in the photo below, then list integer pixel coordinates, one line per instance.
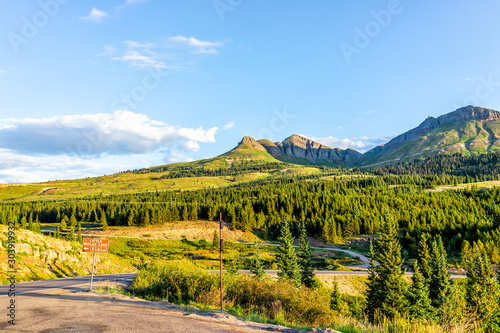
(180, 282)
(184, 283)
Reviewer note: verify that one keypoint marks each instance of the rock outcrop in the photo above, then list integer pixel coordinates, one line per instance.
(297, 146)
(252, 143)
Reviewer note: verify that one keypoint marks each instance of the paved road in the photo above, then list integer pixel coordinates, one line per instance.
(44, 285)
(73, 310)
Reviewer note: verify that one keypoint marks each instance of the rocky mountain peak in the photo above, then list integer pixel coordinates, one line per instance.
(298, 146)
(249, 141)
(470, 112)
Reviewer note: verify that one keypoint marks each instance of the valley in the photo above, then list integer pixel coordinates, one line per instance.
(300, 219)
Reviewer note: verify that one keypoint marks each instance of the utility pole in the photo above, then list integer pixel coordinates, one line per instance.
(221, 249)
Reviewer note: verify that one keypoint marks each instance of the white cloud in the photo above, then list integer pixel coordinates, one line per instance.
(229, 125)
(179, 52)
(120, 133)
(370, 112)
(21, 168)
(361, 144)
(136, 59)
(3, 72)
(79, 146)
(95, 15)
(196, 45)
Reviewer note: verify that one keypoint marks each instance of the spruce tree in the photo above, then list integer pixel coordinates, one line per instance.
(30, 222)
(71, 235)
(418, 296)
(257, 267)
(130, 219)
(466, 251)
(233, 266)
(481, 289)
(440, 280)
(424, 258)
(104, 222)
(372, 300)
(387, 282)
(287, 259)
(335, 296)
(216, 241)
(64, 223)
(23, 222)
(58, 233)
(80, 238)
(72, 221)
(304, 255)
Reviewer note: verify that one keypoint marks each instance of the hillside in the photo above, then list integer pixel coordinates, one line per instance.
(43, 257)
(468, 130)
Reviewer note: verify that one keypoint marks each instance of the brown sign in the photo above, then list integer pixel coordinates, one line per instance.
(98, 245)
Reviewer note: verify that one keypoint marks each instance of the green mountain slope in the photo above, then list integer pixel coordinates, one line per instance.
(468, 130)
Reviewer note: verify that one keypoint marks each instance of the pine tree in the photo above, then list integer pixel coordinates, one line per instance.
(64, 223)
(72, 221)
(146, 220)
(104, 222)
(58, 233)
(424, 258)
(418, 296)
(388, 283)
(481, 289)
(130, 219)
(372, 300)
(216, 241)
(30, 222)
(257, 267)
(80, 238)
(466, 251)
(287, 259)
(23, 222)
(71, 235)
(304, 255)
(233, 266)
(335, 296)
(440, 280)
(38, 226)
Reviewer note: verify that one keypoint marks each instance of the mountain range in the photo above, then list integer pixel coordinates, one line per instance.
(468, 130)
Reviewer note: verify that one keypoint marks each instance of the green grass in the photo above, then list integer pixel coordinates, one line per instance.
(199, 252)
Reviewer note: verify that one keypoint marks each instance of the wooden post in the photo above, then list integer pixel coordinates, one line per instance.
(221, 248)
(92, 277)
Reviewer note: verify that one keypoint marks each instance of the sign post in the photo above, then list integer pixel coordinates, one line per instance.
(221, 249)
(95, 245)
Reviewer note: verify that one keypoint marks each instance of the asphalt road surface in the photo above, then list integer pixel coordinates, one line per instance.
(58, 311)
(65, 305)
(44, 285)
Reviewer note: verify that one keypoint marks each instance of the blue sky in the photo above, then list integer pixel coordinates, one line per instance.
(96, 87)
